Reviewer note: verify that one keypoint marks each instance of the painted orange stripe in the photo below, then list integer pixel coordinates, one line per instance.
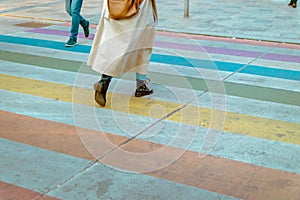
(216, 174)
(9, 192)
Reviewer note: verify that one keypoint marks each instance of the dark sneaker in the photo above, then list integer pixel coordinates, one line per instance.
(294, 5)
(86, 30)
(100, 91)
(143, 90)
(291, 3)
(71, 42)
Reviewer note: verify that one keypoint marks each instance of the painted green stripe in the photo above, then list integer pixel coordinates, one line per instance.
(234, 89)
(263, 93)
(41, 61)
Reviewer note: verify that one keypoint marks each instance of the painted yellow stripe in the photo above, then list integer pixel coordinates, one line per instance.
(235, 123)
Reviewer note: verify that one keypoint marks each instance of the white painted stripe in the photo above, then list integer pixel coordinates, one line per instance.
(267, 82)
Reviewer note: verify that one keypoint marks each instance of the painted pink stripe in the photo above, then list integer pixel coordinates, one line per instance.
(216, 38)
(230, 40)
(190, 47)
(69, 24)
(56, 32)
(289, 46)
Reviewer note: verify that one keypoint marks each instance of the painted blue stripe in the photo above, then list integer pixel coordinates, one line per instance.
(167, 59)
(44, 43)
(198, 63)
(276, 73)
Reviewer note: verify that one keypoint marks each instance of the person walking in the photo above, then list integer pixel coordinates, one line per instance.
(123, 45)
(73, 8)
(293, 3)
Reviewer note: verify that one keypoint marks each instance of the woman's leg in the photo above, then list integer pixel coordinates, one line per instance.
(293, 3)
(101, 89)
(142, 87)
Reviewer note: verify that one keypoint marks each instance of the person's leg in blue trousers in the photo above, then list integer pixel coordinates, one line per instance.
(76, 20)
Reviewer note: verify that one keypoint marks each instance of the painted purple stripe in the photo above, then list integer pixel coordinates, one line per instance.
(281, 57)
(224, 51)
(190, 47)
(56, 32)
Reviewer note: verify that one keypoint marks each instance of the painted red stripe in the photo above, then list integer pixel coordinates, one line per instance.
(229, 177)
(13, 192)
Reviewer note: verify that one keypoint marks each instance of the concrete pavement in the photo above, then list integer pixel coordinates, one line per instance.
(223, 122)
(261, 20)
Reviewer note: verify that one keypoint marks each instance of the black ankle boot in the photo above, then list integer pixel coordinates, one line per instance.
(101, 89)
(293, 3)
(142, 88)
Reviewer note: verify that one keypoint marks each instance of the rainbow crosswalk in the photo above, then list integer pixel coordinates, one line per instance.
(223, 123)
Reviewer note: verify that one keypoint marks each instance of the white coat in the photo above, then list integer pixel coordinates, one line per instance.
(124, 45)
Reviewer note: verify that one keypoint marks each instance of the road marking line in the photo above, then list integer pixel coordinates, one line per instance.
(235, 123)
